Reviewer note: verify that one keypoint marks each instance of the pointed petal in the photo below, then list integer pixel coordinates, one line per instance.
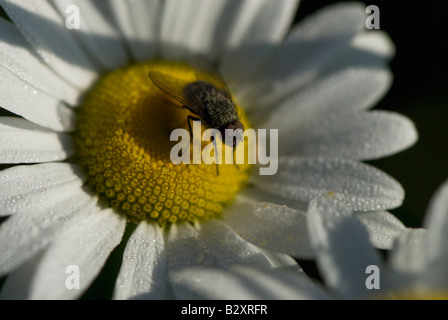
(144, 272)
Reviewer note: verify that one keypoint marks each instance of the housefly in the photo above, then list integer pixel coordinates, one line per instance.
(207, 97)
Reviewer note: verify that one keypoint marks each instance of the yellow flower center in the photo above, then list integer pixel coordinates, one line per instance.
(123, 143)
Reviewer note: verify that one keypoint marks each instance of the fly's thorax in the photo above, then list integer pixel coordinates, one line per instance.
(219, 109)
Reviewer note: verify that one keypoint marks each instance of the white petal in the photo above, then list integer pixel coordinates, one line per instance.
(383, 228)
(370, 49)
(17, 283)
(25, 188)
(46, 31)
(358, 136)
(310, 46)
(345, 91)
(144, 272)
(377, 42)
(234, 29)
(360, 186)
(189, 26)
(436, 221)
(244, 283)
(17, 57)
(185, 248)
(407, 257)
(96, 33)
(258, 195)
(84, 243)
(177, 22)
(26, 233)
(214, 245)
(24, 142)
(138, 21)
(228, 248)
(24, 100)
(270, 226)
(253, 32)
(281, 261)
(342, 248)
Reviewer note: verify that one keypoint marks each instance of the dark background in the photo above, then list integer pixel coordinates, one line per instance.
(420, 91)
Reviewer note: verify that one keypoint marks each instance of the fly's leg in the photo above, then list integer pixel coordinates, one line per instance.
(189, 119)
(234, 156)
(234, 159)
(216, 155)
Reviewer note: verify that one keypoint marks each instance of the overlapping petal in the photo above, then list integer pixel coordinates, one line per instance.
(336, 235)
(85, 243)
(360, 186)
(24, 142)
(144, 272)
(43, 27)
(25, 188)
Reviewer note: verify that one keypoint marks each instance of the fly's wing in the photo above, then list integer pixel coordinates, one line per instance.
(175, 88)
(206, 71)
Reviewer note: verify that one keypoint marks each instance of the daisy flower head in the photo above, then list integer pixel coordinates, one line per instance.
(91, 147)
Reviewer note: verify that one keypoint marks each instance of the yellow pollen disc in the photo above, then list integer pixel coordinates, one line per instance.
(123, 144)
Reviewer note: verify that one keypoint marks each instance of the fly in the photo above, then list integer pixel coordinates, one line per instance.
(208, 98)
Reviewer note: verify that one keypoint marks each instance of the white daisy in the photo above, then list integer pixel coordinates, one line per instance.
(74, 193)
